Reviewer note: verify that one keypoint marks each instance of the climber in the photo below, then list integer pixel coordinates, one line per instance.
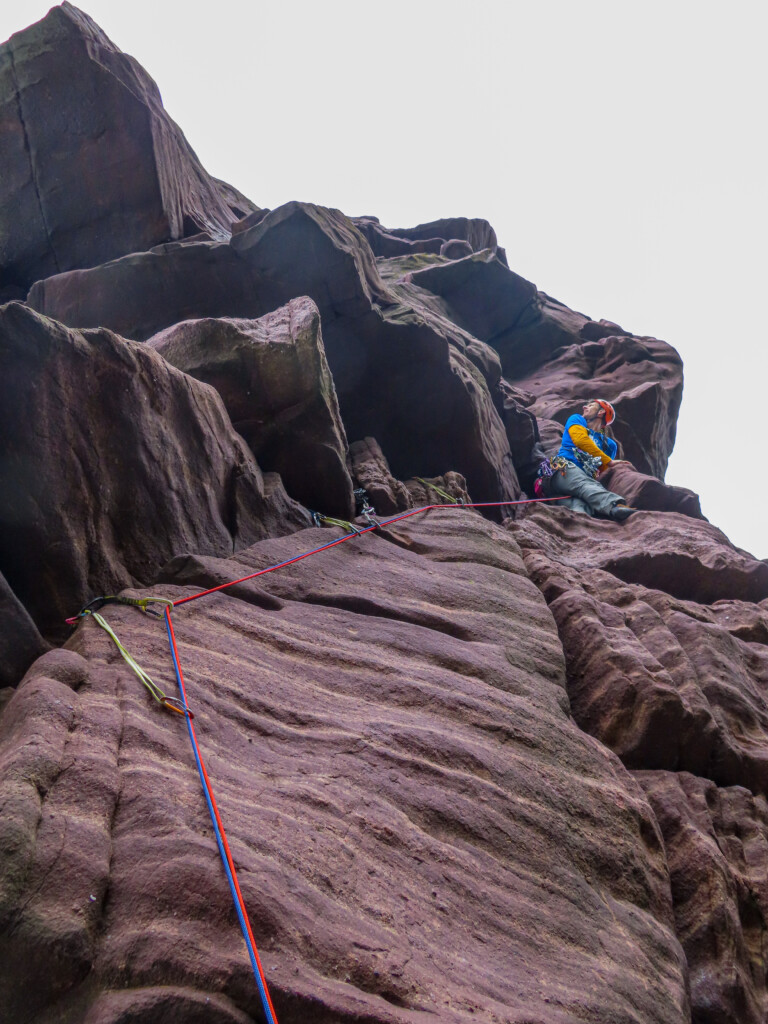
(584, 453)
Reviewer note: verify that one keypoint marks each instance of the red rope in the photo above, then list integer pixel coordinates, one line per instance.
(357, 533)
(213, 806)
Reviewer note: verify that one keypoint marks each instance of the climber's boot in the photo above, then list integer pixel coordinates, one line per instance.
(619, 513)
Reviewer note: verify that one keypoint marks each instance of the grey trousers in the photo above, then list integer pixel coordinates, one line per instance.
(586, 494)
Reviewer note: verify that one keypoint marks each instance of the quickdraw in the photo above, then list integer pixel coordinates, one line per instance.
(143, 603)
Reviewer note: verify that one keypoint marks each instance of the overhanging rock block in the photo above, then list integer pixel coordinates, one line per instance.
(113, 461)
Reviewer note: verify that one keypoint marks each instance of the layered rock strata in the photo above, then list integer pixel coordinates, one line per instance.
(419, 825)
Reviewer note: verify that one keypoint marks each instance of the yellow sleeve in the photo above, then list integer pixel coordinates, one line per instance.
(580, 437)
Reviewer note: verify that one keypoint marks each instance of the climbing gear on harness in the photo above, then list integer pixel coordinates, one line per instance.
(171, 703)
(610, 412)
(590, 464)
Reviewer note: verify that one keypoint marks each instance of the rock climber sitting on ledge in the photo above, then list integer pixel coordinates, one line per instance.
(584, 453)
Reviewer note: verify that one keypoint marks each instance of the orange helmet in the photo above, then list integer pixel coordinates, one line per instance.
(610, 412)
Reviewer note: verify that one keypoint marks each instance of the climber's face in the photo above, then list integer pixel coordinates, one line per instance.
(591, 411)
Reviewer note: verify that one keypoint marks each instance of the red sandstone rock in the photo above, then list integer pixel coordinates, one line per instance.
(651, 494)
(20, 641)
(716, 842)
(418, 824)
(273, 377)
(654, 674)
(101, 170)
(139, 295)
(113, 461)
(379, 349)
(372, 473)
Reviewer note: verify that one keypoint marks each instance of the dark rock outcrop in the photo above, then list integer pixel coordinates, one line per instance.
(102, 170)
(112, 462)
(379, 348)
(20, 640)
(273, 377)
(141, 294)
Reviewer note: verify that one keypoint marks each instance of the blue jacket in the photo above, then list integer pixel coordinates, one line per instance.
(575, 453)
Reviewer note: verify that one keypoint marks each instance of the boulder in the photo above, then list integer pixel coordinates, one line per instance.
(101, 170)
(371, 472)
(274, 380)
(481, 293)
(419, 827)
(404, 376)
(648, 492)
(113, 461)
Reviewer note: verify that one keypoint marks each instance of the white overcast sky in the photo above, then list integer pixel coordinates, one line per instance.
(618, 148)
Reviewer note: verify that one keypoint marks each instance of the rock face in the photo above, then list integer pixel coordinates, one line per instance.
(274, 380)
(388, 738)
(94, 428)
(103, 170)
(469, 771)
(716, 841)
(379, 348)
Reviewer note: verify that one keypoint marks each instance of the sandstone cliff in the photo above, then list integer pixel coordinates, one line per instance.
(504, 768)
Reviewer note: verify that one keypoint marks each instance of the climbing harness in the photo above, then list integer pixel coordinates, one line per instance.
(181, 705)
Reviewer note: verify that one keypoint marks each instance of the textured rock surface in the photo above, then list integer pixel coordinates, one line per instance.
(433, 237)
(652, 673)
(94, 430)
(387, 734)
(716, 841)
(143, 293)
(273, 377)
(651, 494)
(103, 171)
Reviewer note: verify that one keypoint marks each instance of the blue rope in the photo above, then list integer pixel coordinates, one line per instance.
(262, 992)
